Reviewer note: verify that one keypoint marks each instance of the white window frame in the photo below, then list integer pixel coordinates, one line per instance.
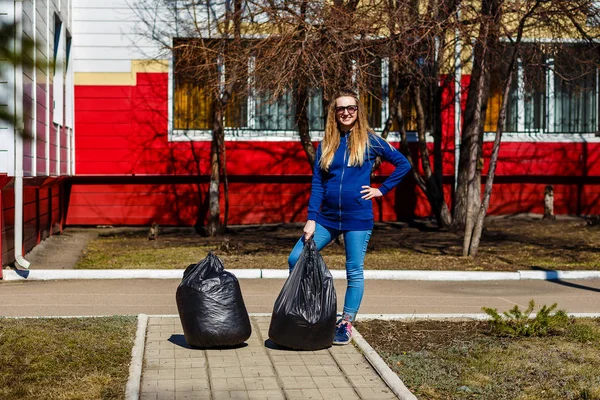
(593, 20)
(548, 135)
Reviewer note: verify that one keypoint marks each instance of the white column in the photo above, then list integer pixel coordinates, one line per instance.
(48, 105)
(170, 97)
(596, 102)
(550, 95)
(59, 91)
(385, 87)
(69, 108)
(520, 97)
(33, 138)
(251, 111)
(19, 131)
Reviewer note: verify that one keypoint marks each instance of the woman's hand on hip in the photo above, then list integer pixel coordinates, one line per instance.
(309, 229)
(368, 192)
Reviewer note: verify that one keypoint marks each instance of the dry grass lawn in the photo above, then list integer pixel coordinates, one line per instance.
(65, 358)
(445, 360)
(508, 244)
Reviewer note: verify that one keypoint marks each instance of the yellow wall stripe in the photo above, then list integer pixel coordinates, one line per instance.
(121, 78)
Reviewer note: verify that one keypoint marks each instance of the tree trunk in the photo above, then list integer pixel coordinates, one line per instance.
(425, 79)
(473, 247)
(472, 183)
(223, 162)
(467, 197)
(433, 190)
(302, 99)
(474, 120)
(214, 216)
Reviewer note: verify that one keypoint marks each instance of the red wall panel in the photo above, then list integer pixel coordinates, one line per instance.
(122, 131)
(39, 205)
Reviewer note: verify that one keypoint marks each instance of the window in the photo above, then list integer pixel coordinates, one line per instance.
(550, 93)
(573, 108)
(276, 114)
(193, 101)
(316, 110)
(373, 96)
(593, 15)
(254, 113)
(58, 81)
(494, 102)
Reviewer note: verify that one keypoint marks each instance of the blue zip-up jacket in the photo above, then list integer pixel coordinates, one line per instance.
(335, 198)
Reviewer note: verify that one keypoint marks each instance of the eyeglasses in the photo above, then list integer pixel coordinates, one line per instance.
(351, 109)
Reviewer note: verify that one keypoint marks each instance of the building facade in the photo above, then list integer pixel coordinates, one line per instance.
(37, 148)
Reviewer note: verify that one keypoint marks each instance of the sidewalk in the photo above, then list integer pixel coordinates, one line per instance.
(260, 370)
(157, 296)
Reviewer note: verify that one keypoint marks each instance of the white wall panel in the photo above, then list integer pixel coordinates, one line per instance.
(104, 14)
(41, 24)
(92, 40)
(125, 27)
(108, 35)
(7, 97)
(101, 65)
(116, 53)
(105, 3)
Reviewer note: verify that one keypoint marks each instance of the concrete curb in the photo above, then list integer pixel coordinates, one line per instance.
(388, 376)
(474, 316)
(555, 275)
(387, 317)
(132, 390)
(415, 275)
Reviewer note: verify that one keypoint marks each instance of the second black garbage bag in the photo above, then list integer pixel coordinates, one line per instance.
(211, 306)
(304, 314)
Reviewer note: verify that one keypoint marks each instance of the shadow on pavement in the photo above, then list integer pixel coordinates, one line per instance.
(179, 340)
(269, 344)
(552, 276)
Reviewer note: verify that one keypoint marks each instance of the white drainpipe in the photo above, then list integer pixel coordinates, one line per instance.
(19, 131)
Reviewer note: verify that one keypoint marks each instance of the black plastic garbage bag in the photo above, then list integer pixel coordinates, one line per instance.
(305, 312)
(211, 306)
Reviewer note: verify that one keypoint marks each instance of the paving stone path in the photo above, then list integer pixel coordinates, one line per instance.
(259, 370)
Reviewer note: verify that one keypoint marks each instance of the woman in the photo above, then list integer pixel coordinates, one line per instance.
(340, 198)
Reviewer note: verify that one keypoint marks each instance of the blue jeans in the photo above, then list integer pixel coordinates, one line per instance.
(356, 247)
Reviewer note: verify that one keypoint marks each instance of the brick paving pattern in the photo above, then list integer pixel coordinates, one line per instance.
(260, 370)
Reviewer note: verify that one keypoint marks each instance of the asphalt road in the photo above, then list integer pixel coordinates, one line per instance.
(157, 297)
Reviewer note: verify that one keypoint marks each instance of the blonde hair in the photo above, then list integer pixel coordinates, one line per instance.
(358, 141)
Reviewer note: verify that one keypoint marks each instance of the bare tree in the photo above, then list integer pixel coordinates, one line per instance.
(474, 223)
(467, 197)
(211, 58)
(296, 49)
(303, 51)
(312, 50)
(555, 19)
(417, 47)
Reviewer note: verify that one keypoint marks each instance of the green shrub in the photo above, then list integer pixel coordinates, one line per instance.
(517, 323)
